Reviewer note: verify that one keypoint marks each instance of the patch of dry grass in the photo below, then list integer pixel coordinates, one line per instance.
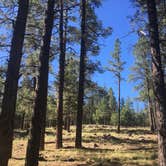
(102, 147)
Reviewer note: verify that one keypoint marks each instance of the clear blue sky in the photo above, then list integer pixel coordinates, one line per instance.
(114, 13)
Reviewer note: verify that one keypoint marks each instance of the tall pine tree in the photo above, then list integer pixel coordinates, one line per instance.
(116, 67)
(11, 84)
(40, 107)
(158, 80)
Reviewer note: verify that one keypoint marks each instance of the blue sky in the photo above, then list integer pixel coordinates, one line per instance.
(114, 13)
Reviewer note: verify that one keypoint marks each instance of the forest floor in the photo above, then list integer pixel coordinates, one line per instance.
(102, 146)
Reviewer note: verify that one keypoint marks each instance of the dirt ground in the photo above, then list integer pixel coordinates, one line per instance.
(102, 146)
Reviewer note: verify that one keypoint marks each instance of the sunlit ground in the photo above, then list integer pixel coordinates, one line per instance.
(102, 147)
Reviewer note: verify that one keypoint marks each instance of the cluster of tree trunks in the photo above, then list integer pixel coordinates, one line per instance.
(36, 140)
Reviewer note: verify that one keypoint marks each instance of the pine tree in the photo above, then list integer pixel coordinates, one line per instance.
(158, 80)
(141, 73)
(91, 30)
(61, 78)
(116, 67)
(11, 83)
(70, 90)
(112, 100)
(78, 141)
(39, 114)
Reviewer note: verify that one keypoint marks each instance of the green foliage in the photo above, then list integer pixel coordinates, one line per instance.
(129, 117)
(25, 99)
(114, 119)
(71, 87)
(142, 118)
(112, 100)
(99, 105)
(51, 107)
(103, 113)
(116, 65)
(97, 116)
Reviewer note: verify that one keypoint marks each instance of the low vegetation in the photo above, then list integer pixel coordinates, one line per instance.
(102, 146)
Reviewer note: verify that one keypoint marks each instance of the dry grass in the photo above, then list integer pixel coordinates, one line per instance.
(102, 147)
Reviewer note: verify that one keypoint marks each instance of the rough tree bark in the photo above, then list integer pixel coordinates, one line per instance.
(66, 121)
(39, 115)
(80, 102)
(150, 107)
(61, 79)
(158, 81)
(11, 84)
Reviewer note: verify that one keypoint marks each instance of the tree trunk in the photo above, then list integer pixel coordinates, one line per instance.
(118, 130)
(10, 92)
(153, 117)
(22, 121)
(150, 107)
(158, 81)
(154, 113)
(152, 128)
(68, 123)
(65, 122)
(39, 116)
(61, 79)
(65, 43)
(78, 141)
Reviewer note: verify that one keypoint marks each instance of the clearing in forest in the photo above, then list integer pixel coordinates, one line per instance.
(102, 146)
